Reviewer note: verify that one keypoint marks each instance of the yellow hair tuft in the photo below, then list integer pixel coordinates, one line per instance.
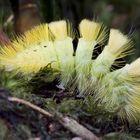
(29, 52)
(37, 34)
(61, 29)
(92, 31)
(134, 68)
(119, 44)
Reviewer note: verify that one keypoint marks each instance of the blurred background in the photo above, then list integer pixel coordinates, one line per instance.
(17, 16)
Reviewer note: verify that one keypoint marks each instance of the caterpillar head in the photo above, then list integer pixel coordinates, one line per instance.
(29, 52)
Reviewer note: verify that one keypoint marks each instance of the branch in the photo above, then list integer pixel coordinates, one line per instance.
(34, 107)
(67, 122)
(76, 128)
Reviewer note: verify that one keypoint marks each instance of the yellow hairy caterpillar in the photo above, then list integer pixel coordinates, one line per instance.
(117, 91)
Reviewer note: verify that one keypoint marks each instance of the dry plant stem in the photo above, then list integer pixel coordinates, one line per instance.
(67, 122)
(76, 128)
(21, 101)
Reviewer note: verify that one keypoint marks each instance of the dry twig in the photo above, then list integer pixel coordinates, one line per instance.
(67, 122)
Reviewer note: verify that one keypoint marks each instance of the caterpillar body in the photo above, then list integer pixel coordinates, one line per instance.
(52, 44)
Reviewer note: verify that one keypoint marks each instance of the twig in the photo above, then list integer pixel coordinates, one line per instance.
(76, 128)
(67, 122)
(35, 107)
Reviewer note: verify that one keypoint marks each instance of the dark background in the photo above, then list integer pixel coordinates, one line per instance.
(18, 122)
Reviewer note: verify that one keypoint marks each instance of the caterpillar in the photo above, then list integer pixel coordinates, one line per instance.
(52, 43)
